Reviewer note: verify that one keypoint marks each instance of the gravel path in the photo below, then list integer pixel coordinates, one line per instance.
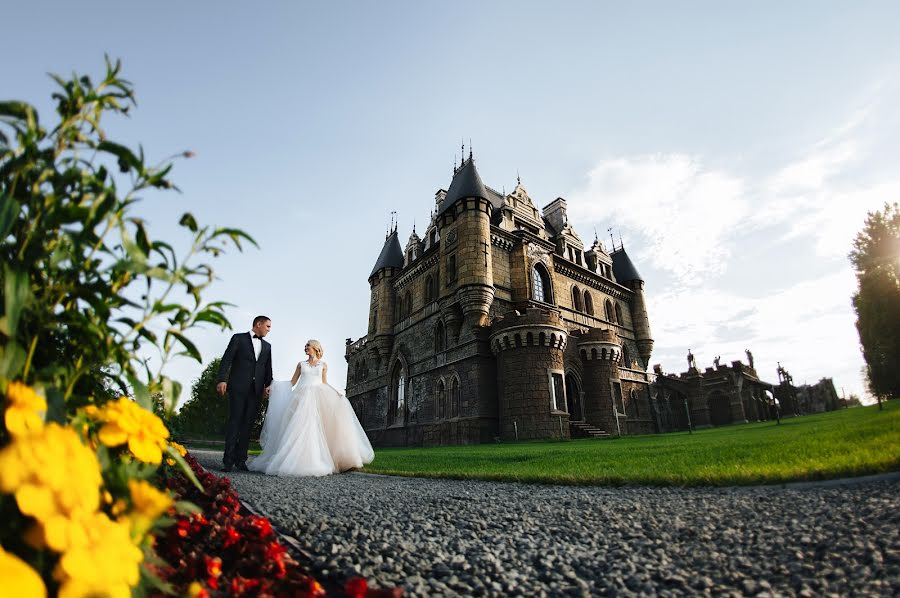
(446, 537)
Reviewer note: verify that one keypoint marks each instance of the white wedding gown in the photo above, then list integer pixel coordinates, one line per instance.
(310, 430)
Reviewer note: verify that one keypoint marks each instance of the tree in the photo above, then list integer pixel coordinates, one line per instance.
(205, 414)
(876, 258)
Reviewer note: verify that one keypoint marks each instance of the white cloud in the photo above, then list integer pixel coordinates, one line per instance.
(688, 221)
(683, 212)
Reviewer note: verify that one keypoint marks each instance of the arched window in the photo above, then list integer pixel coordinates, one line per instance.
(439, 337)
(440, 401)
(397, 404)
(407, 304)
(626, 357)
(429, 289)
(576, 299)
(618, 314)
(636, 412)
(588, 303)
(454, 397)
(540, 284)
(610, 314)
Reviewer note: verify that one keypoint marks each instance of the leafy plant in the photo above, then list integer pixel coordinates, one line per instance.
(85, 289)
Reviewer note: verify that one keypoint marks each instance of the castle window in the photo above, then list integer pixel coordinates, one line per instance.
(433, 237)
(374, 321)
(454, 397)
(571, 253)
(397, 405)
(439, 337)
(429, 289)
(407, 304)
(557, 391)
(540, 282)
(626, 358)
(578, 256)
(588, 303)
(634, 404)
(619, 320)
(576, 299)
(451, 269)
(610, 314)
(440, 400)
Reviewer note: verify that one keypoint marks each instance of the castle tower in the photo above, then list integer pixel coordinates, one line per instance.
(626, 274)
(464, 221)
(382, 302)
(601, 351)
(530, 375)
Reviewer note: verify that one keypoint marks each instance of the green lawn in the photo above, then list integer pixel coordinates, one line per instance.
(844, 443)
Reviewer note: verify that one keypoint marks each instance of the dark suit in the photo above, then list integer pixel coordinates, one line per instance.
(247, 378)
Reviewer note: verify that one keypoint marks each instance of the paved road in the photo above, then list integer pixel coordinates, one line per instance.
(445, 537)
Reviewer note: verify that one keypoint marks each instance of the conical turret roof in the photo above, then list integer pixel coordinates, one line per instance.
(391, 255)
(623, 268)
(465, 183)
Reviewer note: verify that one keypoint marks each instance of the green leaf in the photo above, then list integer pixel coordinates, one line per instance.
(9, 209)
(17, 110)
(189, 221)
(183, 507)
(141, 392)
(190, 348)
(17, 294)
(12, 359)
(185, 468)
(127, 159)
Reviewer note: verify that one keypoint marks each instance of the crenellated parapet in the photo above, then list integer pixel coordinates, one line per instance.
(598, 344)
(535, 328)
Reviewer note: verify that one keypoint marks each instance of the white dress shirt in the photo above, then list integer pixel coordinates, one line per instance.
(257, 344)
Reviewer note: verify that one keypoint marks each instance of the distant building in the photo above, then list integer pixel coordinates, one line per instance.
(719, 395)
(499, 323)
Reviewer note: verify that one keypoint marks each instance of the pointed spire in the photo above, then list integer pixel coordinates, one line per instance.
(518, 178)
(612, 240)
(462, 152)
(470, 149)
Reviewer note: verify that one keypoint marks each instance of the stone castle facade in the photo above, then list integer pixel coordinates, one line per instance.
(498, 323)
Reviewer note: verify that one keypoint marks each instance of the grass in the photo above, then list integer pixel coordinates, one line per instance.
(844, 443)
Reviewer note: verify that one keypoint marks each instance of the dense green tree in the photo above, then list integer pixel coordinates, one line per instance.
(876, 257)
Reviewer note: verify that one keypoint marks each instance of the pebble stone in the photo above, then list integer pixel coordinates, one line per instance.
(475, 538)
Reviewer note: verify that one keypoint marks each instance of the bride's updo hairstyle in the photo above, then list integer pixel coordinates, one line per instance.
(316, 346)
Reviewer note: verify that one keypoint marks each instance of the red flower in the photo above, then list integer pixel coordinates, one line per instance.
(231, 537)
(356, 587)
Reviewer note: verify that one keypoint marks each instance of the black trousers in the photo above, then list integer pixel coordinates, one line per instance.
(242, 410)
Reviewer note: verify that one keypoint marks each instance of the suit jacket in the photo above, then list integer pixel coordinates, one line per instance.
(245, 373)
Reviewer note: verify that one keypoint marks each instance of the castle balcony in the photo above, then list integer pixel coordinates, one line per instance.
(582, 319)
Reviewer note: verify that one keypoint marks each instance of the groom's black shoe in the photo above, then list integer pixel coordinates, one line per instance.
(226, 467)
(241, 467)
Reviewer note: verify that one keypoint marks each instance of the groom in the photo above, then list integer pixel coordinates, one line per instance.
(247, 364)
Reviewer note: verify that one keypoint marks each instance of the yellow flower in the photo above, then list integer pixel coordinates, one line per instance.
(181, 450)
(148, 504)
(24, 413)
(196, 590)
(107, 563)
(55, 479)
(18, 578)
(127, 422)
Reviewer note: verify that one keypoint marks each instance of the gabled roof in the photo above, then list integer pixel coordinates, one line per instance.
(391, 255)
(466, 183)
(623, 269)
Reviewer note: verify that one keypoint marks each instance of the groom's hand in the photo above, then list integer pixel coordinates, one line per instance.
(221, 387)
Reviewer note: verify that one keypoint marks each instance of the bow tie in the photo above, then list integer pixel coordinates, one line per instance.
(257, 336)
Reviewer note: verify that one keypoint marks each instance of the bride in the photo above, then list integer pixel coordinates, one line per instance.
(310, 430)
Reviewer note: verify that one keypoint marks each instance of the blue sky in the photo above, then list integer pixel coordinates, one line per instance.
(735, 148)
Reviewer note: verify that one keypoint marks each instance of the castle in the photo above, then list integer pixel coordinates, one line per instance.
(498, 324)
